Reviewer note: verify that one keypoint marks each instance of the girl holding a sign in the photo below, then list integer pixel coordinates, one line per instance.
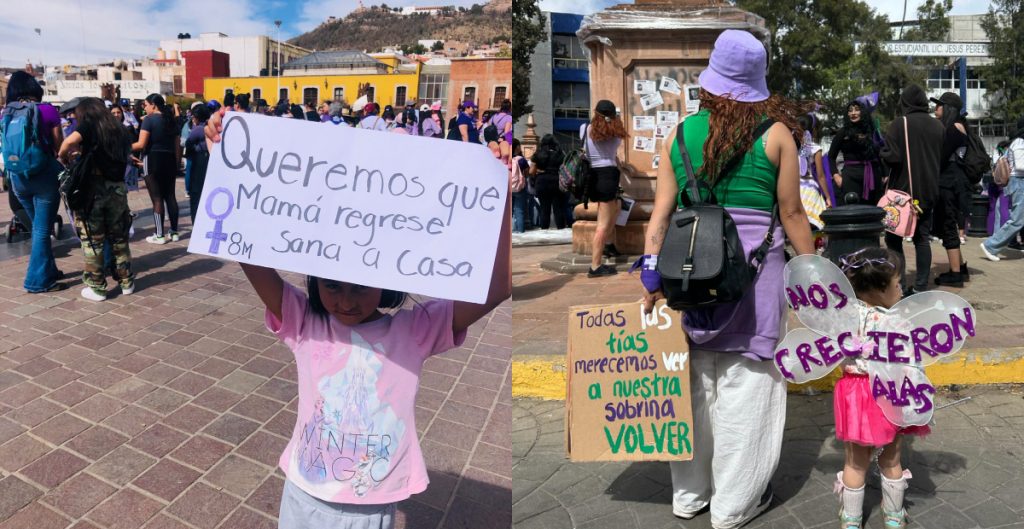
(354, 452)
(860, 422)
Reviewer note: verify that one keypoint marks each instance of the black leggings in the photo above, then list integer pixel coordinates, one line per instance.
(163, 168)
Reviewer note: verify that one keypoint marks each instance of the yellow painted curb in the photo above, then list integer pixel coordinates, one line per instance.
(545, 379)
(538, 379)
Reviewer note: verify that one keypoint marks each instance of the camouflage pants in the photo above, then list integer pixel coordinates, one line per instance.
(109, 220)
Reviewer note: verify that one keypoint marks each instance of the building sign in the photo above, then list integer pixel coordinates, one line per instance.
(130, 89)
(934, 49)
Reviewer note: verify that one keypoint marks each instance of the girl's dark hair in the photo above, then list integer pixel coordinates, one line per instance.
(871, 269)
(101, 129)
(950, 116)
(23, 86)
(809, 124)
(201, 113)
(166, 111)
(516, 147)
(389, 299)
(389, 114)
(297, 112)
(549, 155)
(506, 106)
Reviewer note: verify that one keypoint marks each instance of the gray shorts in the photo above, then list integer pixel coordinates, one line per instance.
(299, 510)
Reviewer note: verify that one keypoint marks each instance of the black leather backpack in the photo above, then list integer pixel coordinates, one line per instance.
(702, 262)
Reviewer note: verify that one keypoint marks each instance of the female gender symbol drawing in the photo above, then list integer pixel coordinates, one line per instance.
(218, 234)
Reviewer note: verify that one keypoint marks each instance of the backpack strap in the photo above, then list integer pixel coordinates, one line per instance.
(586, 141)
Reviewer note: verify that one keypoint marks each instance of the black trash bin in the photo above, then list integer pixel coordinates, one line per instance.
(851, 228)
(978, 223)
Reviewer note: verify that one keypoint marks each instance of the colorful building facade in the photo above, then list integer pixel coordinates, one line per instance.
(385, 89)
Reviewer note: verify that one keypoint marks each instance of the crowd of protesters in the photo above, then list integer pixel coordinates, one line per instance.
(114, 142)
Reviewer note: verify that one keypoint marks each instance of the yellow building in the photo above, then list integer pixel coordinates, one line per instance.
(385, 89)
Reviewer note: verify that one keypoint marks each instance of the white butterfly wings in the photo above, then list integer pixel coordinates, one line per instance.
(896, 344)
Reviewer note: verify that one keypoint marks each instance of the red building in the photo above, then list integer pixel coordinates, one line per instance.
(202, 64)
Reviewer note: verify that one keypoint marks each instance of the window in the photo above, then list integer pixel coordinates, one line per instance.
(469, 93)
(566, 52)
(283, 95)
(339, 93)
(571, 100)
(434, 87)
(310, 96)
(370, 93)
(400, 96)
(499, 96)
(256, 95)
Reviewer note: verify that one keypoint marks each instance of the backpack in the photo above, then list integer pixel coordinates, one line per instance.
(702, 262)
(516, 179)
(23, 149)
(76, 185)
(490, 133)
(574, 174)
(1001, 172)
(976, 160)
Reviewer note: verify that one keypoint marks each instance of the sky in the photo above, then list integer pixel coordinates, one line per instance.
(892, 8)
(88, 31)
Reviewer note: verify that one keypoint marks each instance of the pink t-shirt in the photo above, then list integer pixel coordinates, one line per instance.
(355, 438)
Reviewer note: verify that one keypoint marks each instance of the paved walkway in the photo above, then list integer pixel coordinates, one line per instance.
(169, 408)
(968, 474)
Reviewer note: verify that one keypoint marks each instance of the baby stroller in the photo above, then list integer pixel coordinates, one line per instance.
(21, 223)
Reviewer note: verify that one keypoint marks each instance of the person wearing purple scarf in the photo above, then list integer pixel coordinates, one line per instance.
(739, 398)
(859, 142)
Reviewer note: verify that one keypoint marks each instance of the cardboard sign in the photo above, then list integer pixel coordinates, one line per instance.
(367, 207)
(628, 395)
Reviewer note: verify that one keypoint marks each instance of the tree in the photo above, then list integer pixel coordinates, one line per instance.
(808, 62)
(527, 31)
(438, 45)
(476, 9)
(413, 49)
(1004, 26)
(932, 26)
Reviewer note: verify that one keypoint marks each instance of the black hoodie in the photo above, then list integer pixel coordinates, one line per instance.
(926, 136)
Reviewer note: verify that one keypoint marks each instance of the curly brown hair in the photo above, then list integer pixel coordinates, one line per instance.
(731, 123)
(602, 128)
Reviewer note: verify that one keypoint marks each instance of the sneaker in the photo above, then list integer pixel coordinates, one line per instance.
(849, 522)
(154, 239)
(909, 291)
(91, 295)
(963, 240)
(1015, 245)
(950, 279)
(987, 254)
(895, 520)
(603, 270)
(688, 515)
(128, 290)
(174, 236)
(965, 272)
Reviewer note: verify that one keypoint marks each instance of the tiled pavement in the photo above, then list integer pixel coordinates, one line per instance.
(169, 408)
(968, 474)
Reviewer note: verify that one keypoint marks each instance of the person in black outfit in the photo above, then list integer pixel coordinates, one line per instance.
(546, 162)
(861, 174)
(925, 134)
(954, 189)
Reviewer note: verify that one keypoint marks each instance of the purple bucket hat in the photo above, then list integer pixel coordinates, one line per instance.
(737, 68)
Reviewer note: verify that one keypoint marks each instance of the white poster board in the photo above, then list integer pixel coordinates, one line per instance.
(392, 211)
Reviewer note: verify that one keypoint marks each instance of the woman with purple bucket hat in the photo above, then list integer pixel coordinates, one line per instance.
(739, 398)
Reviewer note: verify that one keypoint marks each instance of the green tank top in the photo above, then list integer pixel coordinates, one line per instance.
(752, 184)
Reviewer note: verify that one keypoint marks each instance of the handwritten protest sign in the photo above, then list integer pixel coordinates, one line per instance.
(385, 210)
(628, 382)
(895, 344)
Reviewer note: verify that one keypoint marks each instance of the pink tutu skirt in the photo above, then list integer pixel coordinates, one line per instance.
(859, 420)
